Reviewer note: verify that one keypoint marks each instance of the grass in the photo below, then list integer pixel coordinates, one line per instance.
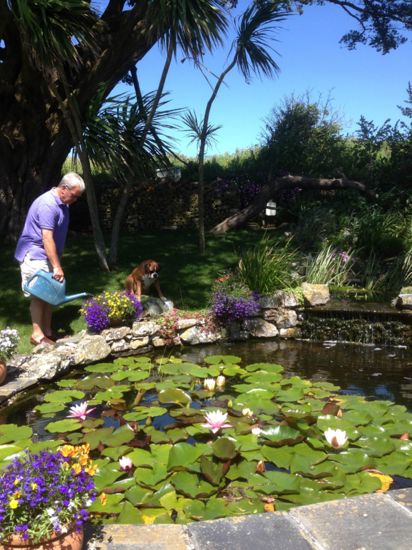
(186, 276)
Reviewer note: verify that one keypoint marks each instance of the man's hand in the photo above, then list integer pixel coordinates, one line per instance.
(58, 274)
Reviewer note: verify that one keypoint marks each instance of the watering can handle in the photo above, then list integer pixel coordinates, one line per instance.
(29, 280)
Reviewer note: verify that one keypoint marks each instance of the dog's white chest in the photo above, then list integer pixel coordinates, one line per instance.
(147, 281)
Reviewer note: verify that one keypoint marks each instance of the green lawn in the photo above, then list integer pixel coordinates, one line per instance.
(186, 276)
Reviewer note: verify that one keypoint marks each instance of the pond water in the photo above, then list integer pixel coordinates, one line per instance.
(374, 372)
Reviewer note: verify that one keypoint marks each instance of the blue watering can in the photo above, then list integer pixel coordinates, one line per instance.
(43, 286)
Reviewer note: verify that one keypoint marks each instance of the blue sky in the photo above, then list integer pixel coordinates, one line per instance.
(359, 82)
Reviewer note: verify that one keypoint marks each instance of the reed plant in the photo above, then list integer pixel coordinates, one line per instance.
(329, 266)
(269, 266)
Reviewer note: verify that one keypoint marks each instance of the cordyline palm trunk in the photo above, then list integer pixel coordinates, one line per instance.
(121, 207)
(201, 157)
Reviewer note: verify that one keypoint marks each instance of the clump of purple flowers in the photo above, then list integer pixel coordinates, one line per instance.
(234, 308)
(44, 494)
(109, 309)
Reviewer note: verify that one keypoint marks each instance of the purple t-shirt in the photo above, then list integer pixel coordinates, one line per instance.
(46, 212)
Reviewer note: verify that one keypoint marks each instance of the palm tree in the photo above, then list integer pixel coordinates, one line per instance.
(252, 53)
(113, 139)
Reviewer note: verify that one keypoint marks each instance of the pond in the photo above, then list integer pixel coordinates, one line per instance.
(265, 438)
(370, 371)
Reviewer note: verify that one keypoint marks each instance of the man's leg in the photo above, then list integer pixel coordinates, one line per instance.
(37, 312)
(47, 319)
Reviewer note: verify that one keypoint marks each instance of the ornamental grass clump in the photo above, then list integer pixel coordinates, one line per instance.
(46, 494)
(111, 309)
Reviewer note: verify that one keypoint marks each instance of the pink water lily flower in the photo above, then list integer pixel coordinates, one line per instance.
(336, 438)
(80, 411)
(125, 463)
(215, 420)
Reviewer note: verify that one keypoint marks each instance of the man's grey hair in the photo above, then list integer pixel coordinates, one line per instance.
(71, 179)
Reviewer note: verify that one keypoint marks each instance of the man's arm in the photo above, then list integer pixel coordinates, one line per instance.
(51, 251)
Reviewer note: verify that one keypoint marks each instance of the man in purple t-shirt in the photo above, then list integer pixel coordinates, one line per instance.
(41, 244)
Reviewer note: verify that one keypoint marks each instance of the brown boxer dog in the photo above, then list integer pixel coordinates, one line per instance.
(143, 277)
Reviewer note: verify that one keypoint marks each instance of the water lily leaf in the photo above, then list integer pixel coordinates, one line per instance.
(394, 464)
(174, 395)
(360, 483)
(66, 383)
(267, 367)
(183, 455)
(282, 483)
(176, 435)
(260, 378)
(213, 472)
(62, 426)
(120, 486)
(151, 477)
(98, 436)
(94, 382)
(141, 413)
(224, 448)
(8, 452)
(155, 515)
(115, 392)
(304, 457)
(376, 446)
(188, 484)
(102, 368)
(129, 515)
(156, 436)
(328, 421)
(233, 370)
(141, 457)
(138, 362)
(329, 470)
(106, 476)
(161, 453)
(357, 418)
(48, 408)
(281, 435)
(117, 452)
(112, 505)
(353, 460)
(137, 495)
(243, 470)
(247, 442)
(222, 359)
(291, 394)
(64, 396)
(244, 506)
(169, 500)
(131, 375)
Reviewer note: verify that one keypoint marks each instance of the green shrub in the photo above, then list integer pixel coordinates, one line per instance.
(329, 266)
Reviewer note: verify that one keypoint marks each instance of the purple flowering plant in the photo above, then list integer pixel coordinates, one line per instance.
(46, 494)
(111, 309)
(232, 300)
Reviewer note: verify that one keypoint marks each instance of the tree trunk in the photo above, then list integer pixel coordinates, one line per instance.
(287, 182)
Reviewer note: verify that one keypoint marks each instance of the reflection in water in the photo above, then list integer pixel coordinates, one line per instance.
(376, 373)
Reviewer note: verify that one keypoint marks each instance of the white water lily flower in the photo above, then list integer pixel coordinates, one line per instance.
(336, 438)
(220, 381)
(256, 431)
(247, 412)
(80, 411)
(125, 463)
(209, 384)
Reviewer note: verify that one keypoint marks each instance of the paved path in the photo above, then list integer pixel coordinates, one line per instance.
(370, 522)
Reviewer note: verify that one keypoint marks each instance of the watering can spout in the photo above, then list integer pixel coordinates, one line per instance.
(75, 296)
(43, 286)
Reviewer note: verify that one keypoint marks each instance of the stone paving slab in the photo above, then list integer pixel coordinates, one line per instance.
(15, 386)
(260, 532)
(138, 537)
(403, 497)
(369, 522)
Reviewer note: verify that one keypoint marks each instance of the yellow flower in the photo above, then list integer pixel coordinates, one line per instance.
(17, 494)
(103, 498)
(76, 468)
(83, 459)
(17, 481)
(13, 503)
(67, 450)
(91, 470)
(33, 486)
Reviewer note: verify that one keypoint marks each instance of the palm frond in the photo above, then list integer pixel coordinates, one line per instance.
(195, 129)
(256, 31)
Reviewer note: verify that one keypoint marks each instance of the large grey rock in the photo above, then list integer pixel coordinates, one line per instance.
(91, 349)
(155, 306)
(198, 335)
(183, 324)
(46, 366)
(139, 343)
(236, 332)
(281, 298)
(260, 328)
(114, 334)
(145, 328)
(282, 317)
(315, 295)
(289, 333)
(404, 300)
